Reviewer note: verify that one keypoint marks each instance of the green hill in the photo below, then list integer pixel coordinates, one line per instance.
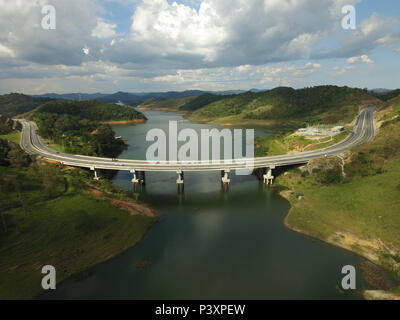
(189, 104)
(90, 110)
(327, 104)
(202, 101)
(166, 103)
(15, 103)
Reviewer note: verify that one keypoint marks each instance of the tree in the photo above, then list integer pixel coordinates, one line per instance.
(18, 157)
(4, 150)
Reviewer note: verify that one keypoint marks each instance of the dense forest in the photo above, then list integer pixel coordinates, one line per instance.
(91, 110)
(74, 125)
(4, 127)
(79, 135)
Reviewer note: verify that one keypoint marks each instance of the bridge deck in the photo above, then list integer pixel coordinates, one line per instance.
(364, 130)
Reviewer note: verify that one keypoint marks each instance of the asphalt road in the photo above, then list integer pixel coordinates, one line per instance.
(364, 131)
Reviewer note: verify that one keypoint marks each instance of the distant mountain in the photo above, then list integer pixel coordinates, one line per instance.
(257, 90)
(226, 92)
(72, 96)
(126, 97)
(380, 90)
(135, 98)
(387, 94)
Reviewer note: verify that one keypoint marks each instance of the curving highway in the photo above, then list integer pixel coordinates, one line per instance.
(364, 131)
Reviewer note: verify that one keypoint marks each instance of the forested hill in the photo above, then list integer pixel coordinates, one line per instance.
(76, 125)
(73, 126)
(15, 103)
(322, 103)
(90, 110)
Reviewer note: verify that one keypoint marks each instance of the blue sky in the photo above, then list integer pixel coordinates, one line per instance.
(160, 45)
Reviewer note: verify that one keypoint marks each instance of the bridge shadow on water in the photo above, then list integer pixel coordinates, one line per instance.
(211, 244)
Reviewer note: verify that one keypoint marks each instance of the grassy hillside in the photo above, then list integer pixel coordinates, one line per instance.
(48, 216)
(202, 101)
(357, 210)
(282, 144)
(323, 104)
(14, 104)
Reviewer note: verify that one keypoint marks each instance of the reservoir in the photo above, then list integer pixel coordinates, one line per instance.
(211, 244)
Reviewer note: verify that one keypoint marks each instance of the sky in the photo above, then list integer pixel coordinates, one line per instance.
(162, 45)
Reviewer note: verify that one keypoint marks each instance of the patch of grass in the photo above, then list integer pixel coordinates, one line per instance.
(14, 136)
(55, 146)
(278, 145)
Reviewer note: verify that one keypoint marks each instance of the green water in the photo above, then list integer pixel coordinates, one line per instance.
(211, 244)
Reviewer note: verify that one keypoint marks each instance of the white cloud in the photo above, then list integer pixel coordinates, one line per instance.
(371, 33)
(222, 33)
(21, 31)
(219, 43)
(228, 77)
(104, 30)
(5, 51)
(338, 71)
(360, 59)
(177, 28)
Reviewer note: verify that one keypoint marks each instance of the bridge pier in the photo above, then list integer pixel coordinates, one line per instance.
(135, 180)
(268, 177)
(180, 181)
(225, 181)
(96, 176)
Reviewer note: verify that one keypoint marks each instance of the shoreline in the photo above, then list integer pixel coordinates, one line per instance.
(345, 241)
(273, 126)
(88, 271)
(143, 108)
(133, 121)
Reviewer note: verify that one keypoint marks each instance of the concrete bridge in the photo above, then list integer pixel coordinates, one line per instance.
(364, 131)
